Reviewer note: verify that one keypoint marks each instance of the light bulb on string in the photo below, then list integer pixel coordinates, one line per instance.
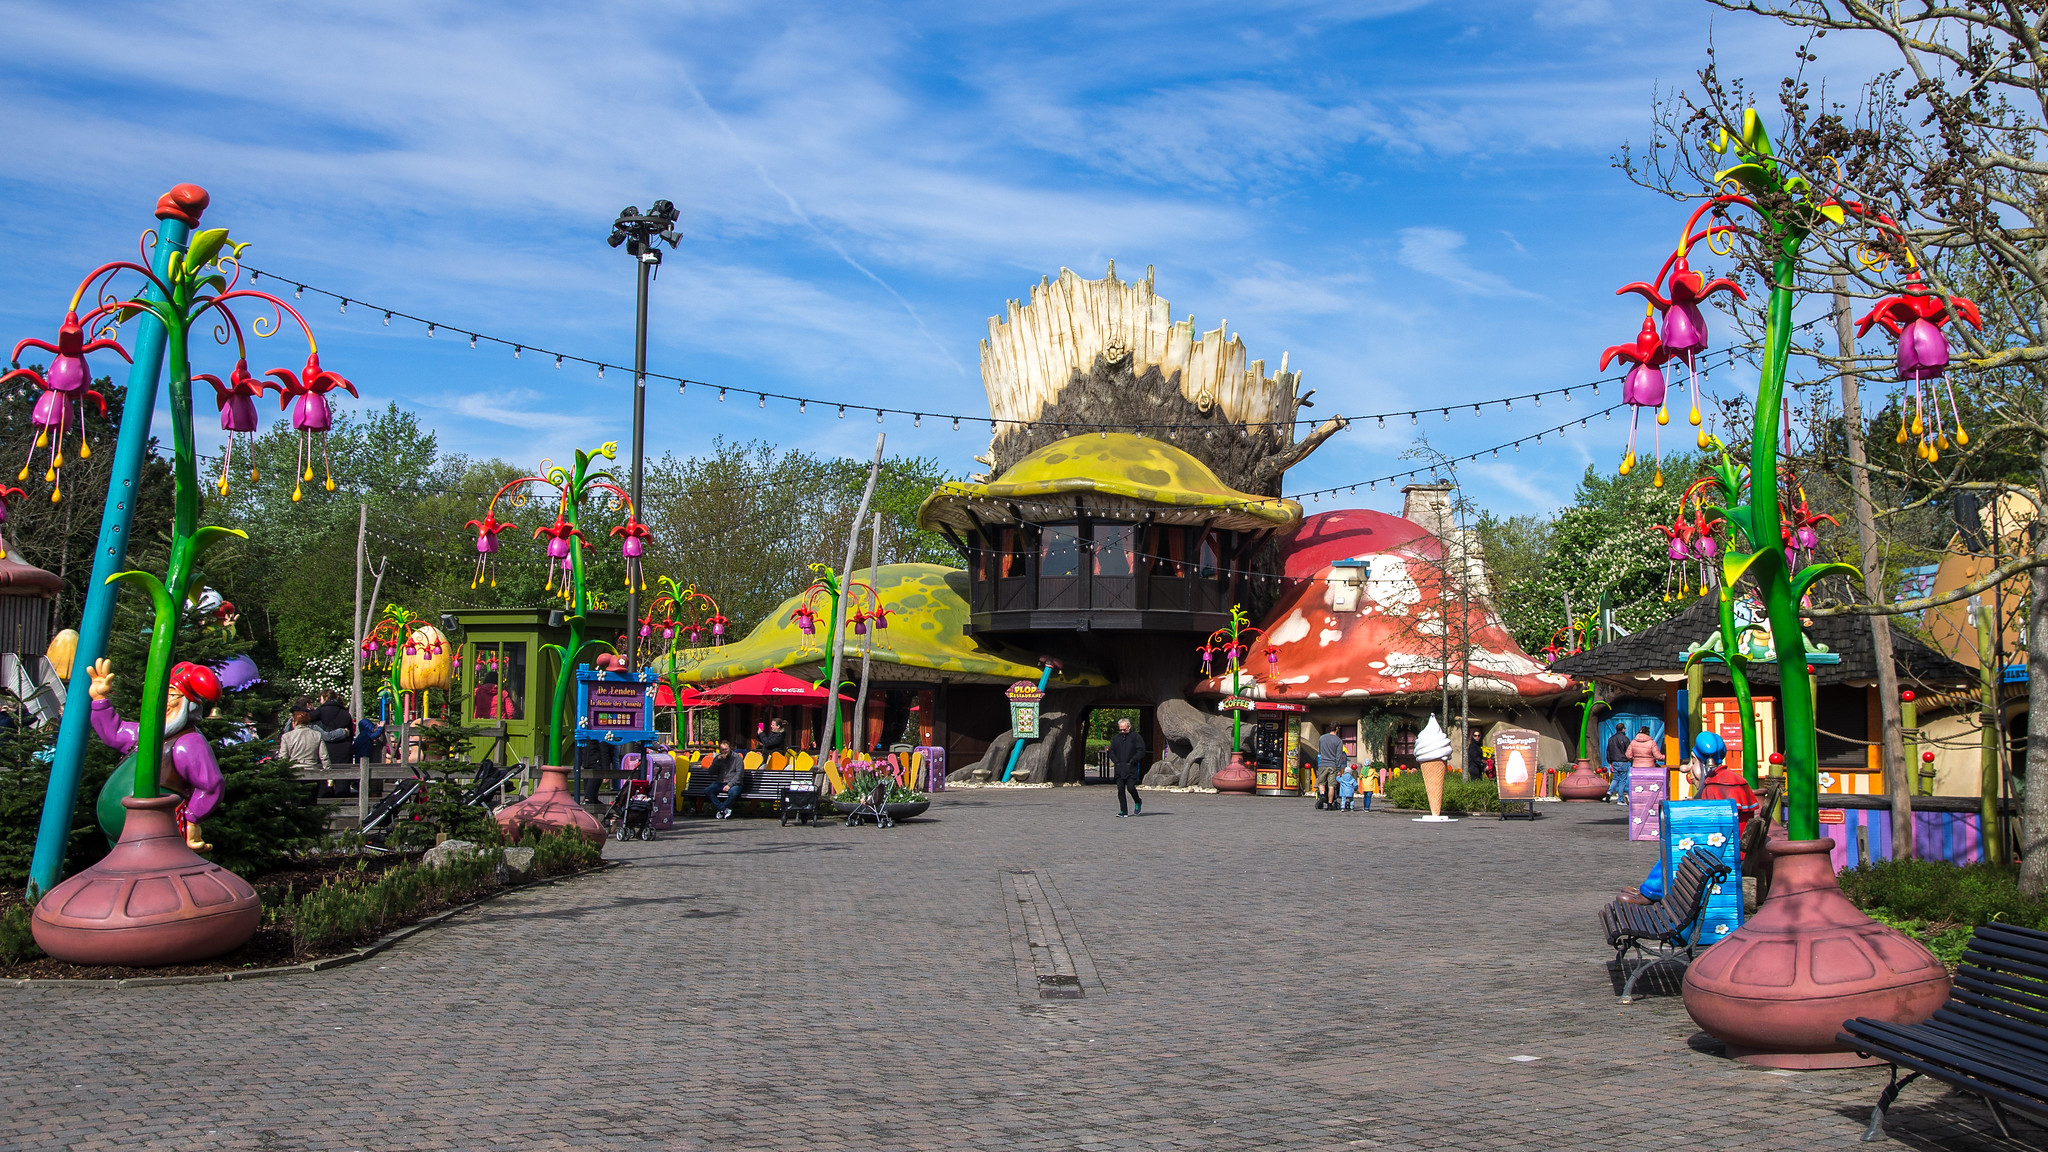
(344, 305)
(878, 415)
(764, 399)
(803, 406)
(298, 291)
(430, 331)
(387, 319)
(558, 362)
(515, 351)
(956, 423)
(917, 420)
(600, 371)
(721, 395)
(842, 411)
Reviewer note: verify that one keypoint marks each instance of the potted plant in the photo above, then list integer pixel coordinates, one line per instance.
(903, 803)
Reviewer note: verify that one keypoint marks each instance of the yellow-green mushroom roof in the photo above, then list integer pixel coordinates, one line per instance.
(1119, 474)
(926, 638)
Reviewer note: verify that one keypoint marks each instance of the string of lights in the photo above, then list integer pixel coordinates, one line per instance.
(803, 403)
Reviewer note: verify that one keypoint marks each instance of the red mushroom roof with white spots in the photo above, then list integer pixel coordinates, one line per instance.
(1390, 643)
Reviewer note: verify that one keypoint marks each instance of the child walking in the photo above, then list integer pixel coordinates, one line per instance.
(1347, 786)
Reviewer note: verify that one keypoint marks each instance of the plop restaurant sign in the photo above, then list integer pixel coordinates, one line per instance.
(1024, 708)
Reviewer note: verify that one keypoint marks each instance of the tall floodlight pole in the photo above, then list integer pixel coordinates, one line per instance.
(642, 235)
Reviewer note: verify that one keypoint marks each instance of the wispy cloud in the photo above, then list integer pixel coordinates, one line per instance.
(1439, 252)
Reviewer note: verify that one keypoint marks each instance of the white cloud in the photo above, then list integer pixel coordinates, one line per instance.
(1439, 252)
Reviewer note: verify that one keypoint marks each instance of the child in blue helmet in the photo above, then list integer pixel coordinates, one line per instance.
(1713, 780)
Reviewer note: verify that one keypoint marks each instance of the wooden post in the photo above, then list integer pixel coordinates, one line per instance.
(1898, 768)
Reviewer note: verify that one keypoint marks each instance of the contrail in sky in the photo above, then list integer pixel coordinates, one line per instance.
(804, 216)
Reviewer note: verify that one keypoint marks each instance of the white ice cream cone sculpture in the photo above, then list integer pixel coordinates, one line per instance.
(1433, 751)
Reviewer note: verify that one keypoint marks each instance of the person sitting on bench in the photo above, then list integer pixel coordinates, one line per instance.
(732, 769)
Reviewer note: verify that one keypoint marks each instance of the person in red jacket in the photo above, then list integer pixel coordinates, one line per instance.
(1720, 782)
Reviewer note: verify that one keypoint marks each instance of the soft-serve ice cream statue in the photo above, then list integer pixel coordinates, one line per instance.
(1433, 752)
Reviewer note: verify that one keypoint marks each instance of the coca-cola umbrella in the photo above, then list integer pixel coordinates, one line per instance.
(771, 687)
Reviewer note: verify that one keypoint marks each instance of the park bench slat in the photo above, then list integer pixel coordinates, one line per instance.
(1991, 1038)
(1664, 930)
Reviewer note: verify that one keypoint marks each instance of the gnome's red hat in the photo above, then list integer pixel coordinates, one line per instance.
(196, 682)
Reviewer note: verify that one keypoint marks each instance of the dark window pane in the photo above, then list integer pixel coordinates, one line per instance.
(1113, 550)
(1059, 551)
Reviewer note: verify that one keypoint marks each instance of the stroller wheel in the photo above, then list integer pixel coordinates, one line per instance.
(647, 834)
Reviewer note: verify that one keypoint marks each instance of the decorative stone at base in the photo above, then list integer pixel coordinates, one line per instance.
(1583, 784)
(1235, 777)
(551, 808)
(1435, 819)
(150, 902)
(1777, 989)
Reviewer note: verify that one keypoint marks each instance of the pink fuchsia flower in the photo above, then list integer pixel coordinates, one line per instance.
(634, 543)
(1685, 326)
(1915, 318)
(311, 416)
(487, 530)
(1642, 387)
(66, 384)
(237, 402)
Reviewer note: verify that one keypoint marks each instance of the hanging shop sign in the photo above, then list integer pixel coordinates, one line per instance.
(1024, 709)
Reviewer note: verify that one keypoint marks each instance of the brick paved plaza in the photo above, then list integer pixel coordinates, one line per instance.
(1250, 974)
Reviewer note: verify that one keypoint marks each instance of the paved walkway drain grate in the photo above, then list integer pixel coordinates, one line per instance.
(1052, 964)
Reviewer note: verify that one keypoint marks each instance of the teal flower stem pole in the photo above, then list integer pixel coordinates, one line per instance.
(138, 412)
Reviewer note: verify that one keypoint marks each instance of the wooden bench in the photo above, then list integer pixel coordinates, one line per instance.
(1667, 929)
(757, 783)
(1991, 1038)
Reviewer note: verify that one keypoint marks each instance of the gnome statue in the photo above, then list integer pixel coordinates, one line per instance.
(189, 769)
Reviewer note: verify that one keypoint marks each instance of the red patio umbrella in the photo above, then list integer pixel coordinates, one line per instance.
(771, 687)
(691, 698)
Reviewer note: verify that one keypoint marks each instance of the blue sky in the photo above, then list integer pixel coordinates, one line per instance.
(1415, 200)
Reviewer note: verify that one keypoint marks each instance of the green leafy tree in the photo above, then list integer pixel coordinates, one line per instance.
(1600, 547)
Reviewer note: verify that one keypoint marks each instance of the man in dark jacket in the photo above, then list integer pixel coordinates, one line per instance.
(337, 730)
(1616, 756)
(731, 766)
(1127, 753)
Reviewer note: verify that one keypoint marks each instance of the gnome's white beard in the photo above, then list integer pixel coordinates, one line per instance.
(179, 713)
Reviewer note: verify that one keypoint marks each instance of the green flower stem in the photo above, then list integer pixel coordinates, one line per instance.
(149, 724)
(1774, 581)
(1739, 677)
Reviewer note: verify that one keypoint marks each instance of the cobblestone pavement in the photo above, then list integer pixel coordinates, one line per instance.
(1233, 973)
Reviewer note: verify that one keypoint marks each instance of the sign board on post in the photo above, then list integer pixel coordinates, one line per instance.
(614, 707)
(1024, 701)
(1514, 763)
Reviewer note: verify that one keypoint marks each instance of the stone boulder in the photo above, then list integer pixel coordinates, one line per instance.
(448, 850)
(518, 865)
(1197, 746)
(1048, 758)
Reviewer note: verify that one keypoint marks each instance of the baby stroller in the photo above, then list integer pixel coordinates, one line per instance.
(873, 804)
(632, 809)
(801, 802)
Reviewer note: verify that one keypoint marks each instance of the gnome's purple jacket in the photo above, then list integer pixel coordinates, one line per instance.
(189, 770)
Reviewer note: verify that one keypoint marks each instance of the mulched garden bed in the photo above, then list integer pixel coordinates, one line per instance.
(272, 945)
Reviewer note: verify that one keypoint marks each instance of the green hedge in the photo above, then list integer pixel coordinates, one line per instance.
(1940, 903)
(1405, 790)
(347, 911)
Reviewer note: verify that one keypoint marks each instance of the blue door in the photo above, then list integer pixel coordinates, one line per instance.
(1629, 715)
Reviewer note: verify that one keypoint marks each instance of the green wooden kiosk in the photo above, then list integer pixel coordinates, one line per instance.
(505, 675)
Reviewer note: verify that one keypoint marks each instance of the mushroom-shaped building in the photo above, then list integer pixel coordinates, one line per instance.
(1378, 618)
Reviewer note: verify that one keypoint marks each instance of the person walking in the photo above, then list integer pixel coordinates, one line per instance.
(1347, 786)
(1330, 760)
(1643, 755)
(1127, 754)
(1616, 755)
(731, 766)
